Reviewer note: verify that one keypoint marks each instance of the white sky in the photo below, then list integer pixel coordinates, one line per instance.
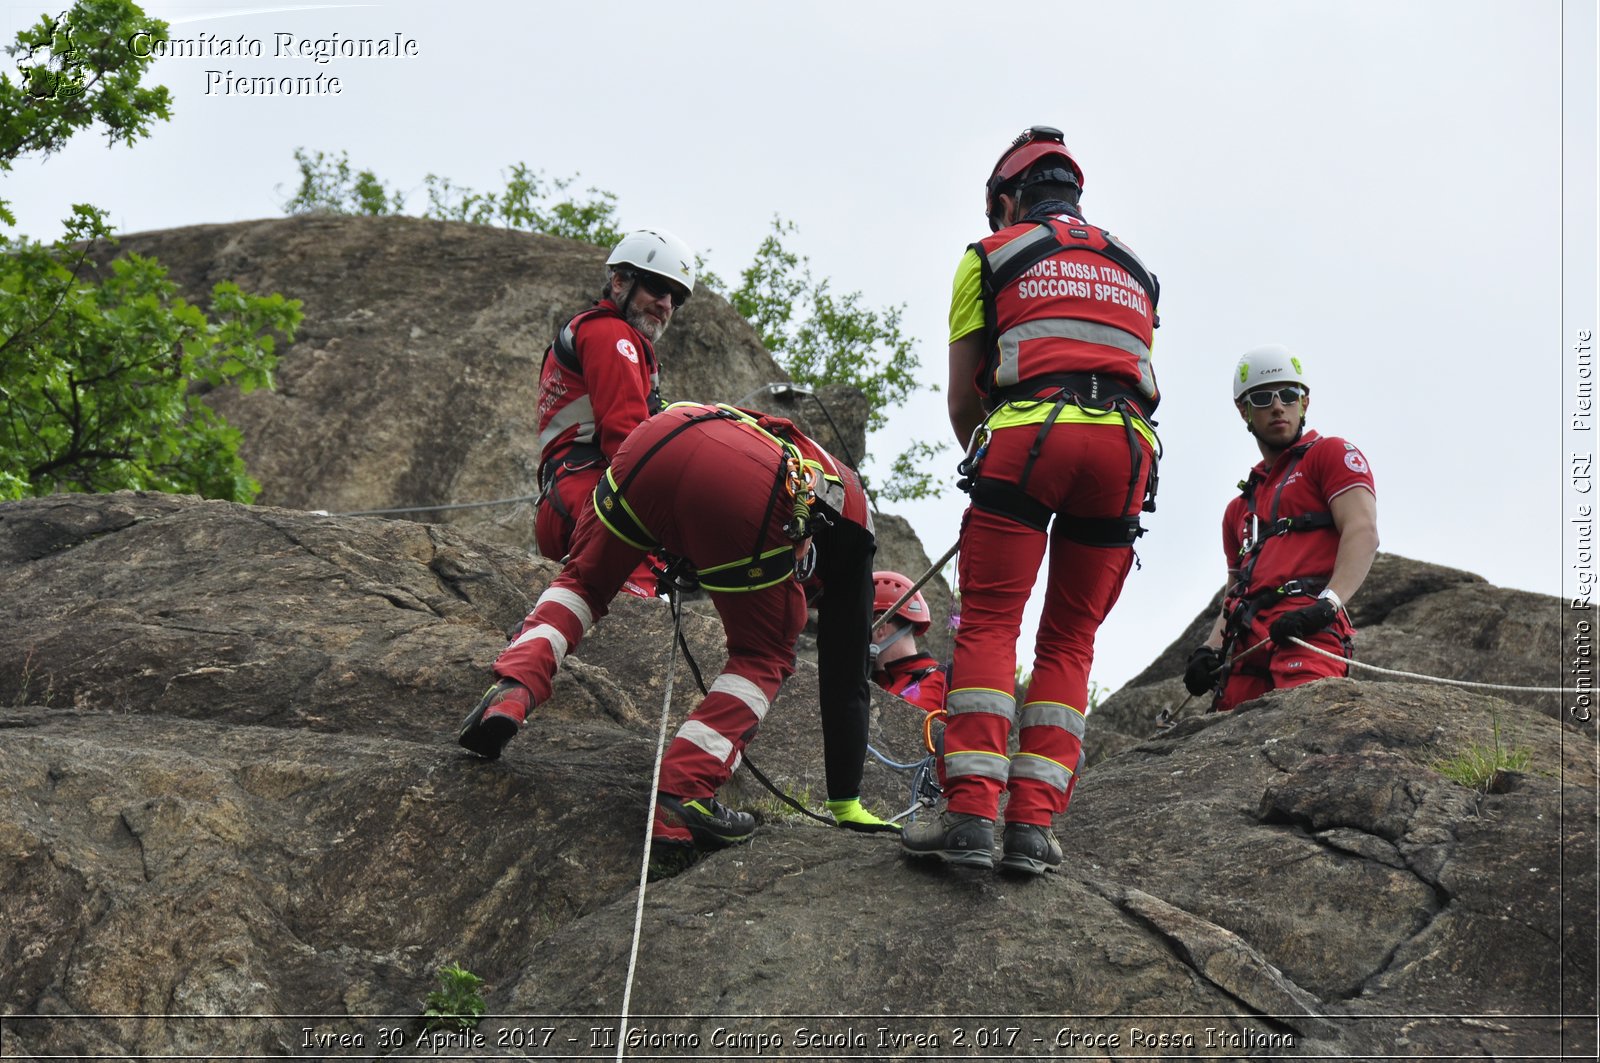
(1377, 184)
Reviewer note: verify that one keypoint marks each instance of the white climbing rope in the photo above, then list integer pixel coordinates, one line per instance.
(1430, 678)
(649, 825)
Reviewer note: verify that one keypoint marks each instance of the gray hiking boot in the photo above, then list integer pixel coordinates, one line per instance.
(954, 837)
(1030, 849)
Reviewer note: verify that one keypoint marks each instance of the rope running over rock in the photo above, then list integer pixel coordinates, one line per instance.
(1431, 678)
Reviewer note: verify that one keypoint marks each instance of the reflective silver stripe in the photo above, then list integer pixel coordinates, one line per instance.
(832, 493)
(571, 601)
(698, 734)
(580, 412)
(1040, 769)
(981, 700)
(1002, 255)
(740, 687)
(988, 765)
(1066, 328)
(557, 641)
(1053, 714)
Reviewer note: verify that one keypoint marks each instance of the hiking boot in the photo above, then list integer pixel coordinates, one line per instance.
(954, 837)
(669, 857)
(712, 824)
(1030, 849)
(497, 718)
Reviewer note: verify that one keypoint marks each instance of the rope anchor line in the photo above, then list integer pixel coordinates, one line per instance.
(428, 509)
(1430, 678)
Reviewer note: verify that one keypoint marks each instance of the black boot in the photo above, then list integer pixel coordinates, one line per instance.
(1030, 849)
(498, 717)
(712, 824)
(954, 837)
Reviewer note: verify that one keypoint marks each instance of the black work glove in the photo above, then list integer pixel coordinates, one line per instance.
(1302, 622)
(1201, 673)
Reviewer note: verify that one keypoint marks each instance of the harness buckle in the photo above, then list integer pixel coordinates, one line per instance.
(1293, 587)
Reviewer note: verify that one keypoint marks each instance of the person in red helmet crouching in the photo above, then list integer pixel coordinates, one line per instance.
(898, 666)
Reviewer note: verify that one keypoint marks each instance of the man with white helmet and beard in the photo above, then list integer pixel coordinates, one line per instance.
(599, 380)
(1299, 540)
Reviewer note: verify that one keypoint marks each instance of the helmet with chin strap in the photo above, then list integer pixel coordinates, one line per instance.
(1039, 143)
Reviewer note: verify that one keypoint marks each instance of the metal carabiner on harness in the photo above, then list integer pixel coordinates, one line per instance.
(1252, 535)
(977, 446)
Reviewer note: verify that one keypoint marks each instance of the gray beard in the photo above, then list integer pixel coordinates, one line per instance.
(646, 326)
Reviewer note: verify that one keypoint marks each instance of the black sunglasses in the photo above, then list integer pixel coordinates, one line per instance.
(1286, 395)
(659, 286)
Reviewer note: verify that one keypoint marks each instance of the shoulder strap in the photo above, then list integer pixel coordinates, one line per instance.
(565, 345)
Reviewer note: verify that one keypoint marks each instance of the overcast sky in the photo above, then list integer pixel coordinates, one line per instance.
(1377, 185)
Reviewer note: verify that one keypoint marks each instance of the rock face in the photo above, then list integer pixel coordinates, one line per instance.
(414, 378)
(1410, 617)
(228, 787)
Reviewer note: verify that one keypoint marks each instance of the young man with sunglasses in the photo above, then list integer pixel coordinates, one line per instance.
(1299, 540)
(599, 380)
(1051, 390)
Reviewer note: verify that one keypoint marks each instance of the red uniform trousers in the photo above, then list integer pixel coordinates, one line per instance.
(573, 491)
(703, 495)
(563, 503)
(1082, 470)
(1275, 667)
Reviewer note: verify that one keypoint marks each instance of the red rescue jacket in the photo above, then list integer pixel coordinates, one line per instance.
(1063, 297)
(598, 381)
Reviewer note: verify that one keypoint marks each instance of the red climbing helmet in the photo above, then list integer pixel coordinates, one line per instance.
(1039, 142)
(887, 587)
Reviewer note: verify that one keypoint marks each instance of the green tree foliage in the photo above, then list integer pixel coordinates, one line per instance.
(820, 338)
(103, 370)
(328, 186)
(77, 69)
(531, 201)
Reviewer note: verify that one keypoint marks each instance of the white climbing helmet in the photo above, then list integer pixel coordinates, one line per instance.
(1271, 364)
(656, 251)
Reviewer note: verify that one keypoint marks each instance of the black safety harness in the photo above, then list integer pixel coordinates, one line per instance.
(1245, 603)
(760, 568)
(1012, 500)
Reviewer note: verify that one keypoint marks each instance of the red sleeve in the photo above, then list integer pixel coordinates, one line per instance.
(1232, 518)
(616, 372)
(1335, 466)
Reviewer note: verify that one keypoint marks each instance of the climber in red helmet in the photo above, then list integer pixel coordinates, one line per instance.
(599, 380)
(898, 666)
(1299, 540)
(1051, 389)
